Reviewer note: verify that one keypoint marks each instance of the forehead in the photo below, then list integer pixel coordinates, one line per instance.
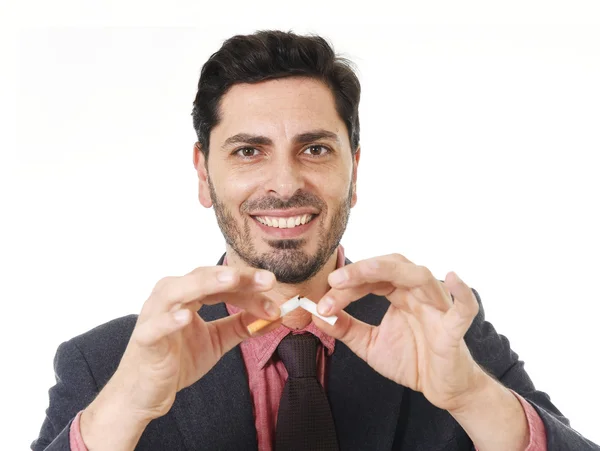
(280, 107)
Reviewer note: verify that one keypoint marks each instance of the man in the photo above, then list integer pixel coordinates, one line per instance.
(410, 363)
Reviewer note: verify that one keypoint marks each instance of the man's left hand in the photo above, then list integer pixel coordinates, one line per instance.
(419, 342)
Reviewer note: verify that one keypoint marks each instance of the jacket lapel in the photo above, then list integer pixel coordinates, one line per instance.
(365, 405)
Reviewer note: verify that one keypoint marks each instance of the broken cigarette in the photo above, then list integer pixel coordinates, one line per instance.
(287, 307)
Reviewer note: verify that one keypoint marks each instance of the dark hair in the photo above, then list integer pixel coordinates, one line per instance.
(266, 55)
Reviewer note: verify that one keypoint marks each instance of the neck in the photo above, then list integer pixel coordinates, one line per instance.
(314, 289)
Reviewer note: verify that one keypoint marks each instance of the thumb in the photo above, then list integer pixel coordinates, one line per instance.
(230, 331)
(354, 333)
(459, 317)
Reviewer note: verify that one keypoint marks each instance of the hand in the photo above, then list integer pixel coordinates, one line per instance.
(419, 342)
(171, 346)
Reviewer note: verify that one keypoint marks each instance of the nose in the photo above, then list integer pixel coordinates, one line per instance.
(285, 178)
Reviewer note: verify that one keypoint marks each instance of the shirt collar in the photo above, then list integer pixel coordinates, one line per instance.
(262, 348)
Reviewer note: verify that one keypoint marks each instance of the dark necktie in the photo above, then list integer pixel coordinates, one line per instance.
(304, 420)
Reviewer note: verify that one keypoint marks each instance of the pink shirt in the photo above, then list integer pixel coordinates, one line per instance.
(267, 376)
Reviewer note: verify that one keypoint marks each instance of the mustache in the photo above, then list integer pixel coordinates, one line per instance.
(299, 199)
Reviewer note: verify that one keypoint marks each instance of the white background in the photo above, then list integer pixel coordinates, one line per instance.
(479, 142)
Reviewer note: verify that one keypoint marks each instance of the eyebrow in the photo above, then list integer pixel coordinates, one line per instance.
(301, 138)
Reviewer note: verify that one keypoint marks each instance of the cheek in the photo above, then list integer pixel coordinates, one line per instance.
(333, 189)
(237, 189)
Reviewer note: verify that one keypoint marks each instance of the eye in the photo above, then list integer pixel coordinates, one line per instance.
(246, 152)
(317, 150)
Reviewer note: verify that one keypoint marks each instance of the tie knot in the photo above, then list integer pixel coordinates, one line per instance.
(299, 355)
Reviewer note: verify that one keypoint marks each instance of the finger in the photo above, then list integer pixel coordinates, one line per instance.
(392, 268)
(352, 332)
(338, 299)
(446, 290)
(261, 305)
(228, 332)
(398, 271)
(459, 317)
(150, 333)
(172, 292)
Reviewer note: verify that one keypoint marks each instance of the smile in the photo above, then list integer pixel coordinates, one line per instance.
(281, 222)
(285, 227)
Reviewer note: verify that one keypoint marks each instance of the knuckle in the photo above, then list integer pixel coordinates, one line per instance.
(236, 274)
(204, 274)
(371, 266)
(140, 335)
(201, 269)
(163, 283)
(168, 288)
(145, 313)
(394, 263)
(198, 270)
(399, 258)
(423, 274)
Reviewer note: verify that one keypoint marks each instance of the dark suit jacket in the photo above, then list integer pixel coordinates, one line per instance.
(216, 413)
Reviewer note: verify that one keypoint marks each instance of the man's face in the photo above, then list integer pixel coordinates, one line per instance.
(280, 175)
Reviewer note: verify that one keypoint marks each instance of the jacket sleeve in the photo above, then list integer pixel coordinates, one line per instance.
(492, 351)
(74, 390)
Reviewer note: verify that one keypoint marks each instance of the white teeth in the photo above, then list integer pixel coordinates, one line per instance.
(284, 223)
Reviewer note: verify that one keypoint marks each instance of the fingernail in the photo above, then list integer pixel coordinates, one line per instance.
(263, 277)
(181, 316)
(225, 275)
(337, 277)
(325, 306)
(271, 309)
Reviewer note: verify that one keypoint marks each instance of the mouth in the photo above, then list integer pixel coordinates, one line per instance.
(285, 226)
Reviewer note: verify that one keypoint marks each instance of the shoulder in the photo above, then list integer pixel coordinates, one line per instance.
(101, 347)
(107, 335)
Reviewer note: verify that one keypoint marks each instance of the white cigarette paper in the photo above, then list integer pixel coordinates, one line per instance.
(308, 305)
(289, 305)
(311, 307)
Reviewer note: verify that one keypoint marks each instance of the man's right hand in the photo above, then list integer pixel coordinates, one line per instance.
(171, 347)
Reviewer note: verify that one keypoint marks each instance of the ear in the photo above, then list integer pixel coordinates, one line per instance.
(355, 160)
(201, 165)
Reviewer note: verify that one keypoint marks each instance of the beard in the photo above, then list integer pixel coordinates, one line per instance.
(286, 259)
